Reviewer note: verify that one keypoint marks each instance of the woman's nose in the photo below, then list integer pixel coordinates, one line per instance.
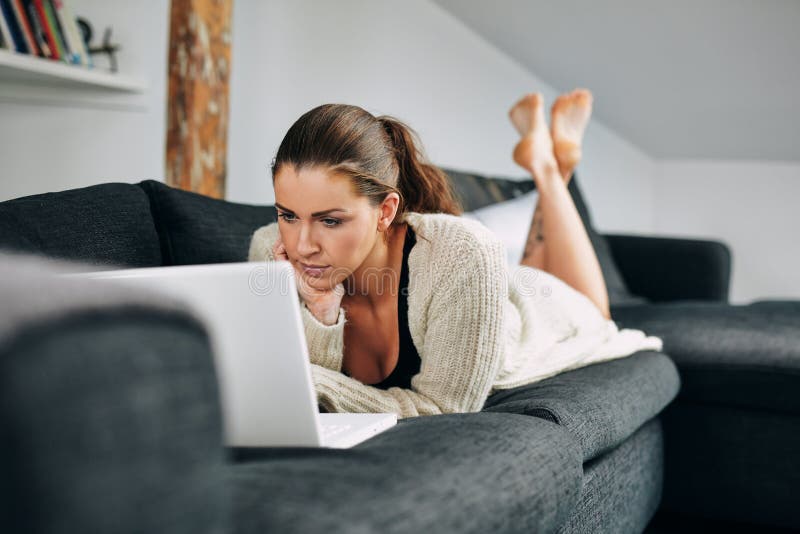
(306, 245)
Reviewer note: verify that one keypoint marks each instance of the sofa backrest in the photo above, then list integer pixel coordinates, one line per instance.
(476, 191)
(106, 224)
(195, 229)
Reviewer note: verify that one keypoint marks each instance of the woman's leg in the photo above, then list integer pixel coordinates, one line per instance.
(557, 241)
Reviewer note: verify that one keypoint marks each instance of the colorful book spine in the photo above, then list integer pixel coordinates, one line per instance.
(62, 22)
(38, 29)
(13, 26)
(25, 26)
(48, 30)
(63, 51)
(6, 40)
(72, 25)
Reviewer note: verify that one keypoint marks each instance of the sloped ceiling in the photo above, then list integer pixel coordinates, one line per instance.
(717, 79)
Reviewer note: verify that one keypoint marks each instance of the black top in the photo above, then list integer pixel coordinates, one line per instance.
(408, 362)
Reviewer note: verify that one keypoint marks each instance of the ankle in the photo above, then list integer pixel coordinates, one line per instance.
(546, 175)
(566, 172)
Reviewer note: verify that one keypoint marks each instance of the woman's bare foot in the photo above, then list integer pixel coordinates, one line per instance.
(534, 152)
(569, 117)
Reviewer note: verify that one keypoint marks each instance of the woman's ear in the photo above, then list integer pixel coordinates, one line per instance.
(388, 211)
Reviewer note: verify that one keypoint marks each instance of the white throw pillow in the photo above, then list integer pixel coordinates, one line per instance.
(510, 221)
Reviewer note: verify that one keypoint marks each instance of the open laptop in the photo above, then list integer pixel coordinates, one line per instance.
(252, 313)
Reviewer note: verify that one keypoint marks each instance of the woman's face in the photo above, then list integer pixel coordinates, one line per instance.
(328, 230)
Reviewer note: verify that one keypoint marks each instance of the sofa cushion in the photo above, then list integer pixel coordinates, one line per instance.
(196, 229)
(737, 355)
(600, 404)
(107, 224)
(458, 473)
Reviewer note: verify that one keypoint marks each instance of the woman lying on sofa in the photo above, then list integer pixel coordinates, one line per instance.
(407, 307)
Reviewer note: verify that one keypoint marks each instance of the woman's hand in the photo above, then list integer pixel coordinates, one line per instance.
(323, 304)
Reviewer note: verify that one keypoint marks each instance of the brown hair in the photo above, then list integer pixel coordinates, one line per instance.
(380, 155)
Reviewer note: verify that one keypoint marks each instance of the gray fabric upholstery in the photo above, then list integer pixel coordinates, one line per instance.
(664, 269)
(600, 404)
(739, 464)
(736, 355)
(109, 411)
(622, 488)
(772, 305)
(196, 229)
(733, 433)
(106, 224)
(459, 473)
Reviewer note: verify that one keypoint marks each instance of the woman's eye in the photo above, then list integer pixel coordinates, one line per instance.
(290, 217)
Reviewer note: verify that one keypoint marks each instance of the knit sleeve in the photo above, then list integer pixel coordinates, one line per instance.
(261, 243)
(462, 349)
(325, 343)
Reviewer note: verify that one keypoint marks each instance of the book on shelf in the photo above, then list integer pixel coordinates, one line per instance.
(58, 32)
(43, 28)
(6, 41)
(50, 33)
(27, 32)
(69, 30)
(17, 40)
(38, 30)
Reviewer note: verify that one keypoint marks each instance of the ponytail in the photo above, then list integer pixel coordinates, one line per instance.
(379, 154)
(423, 187)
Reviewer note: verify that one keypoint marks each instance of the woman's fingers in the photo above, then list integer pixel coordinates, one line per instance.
(279, 251)
(323, 303)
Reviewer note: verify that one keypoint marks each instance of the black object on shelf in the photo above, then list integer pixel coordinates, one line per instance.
(107, 47)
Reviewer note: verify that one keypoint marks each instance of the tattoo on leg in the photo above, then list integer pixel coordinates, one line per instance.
(535, 235)
(537, 226)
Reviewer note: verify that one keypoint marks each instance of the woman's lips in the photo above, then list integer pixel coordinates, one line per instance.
(313, 270)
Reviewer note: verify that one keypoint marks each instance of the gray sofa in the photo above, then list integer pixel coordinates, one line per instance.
(111, 421)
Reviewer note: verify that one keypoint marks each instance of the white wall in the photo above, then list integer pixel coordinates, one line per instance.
(415, 61)
(411, 59)
(55, 139)
(752, 206)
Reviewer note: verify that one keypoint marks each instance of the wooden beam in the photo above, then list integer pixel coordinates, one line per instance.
(197, 106)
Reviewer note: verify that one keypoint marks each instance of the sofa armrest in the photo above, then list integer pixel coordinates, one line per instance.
(109, 409)
(665, 269)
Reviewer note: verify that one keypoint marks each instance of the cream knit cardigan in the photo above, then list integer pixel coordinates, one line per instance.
(478, 326)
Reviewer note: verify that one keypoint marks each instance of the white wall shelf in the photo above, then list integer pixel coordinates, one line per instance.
(29, 70)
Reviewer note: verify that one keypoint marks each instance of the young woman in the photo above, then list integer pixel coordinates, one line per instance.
(407, 307)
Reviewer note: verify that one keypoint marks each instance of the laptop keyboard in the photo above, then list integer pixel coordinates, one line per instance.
(329, 431)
